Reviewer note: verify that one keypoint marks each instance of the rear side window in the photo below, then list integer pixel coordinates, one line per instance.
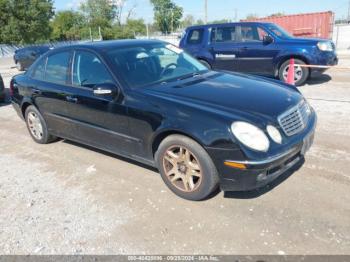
(195, 36)
(57, 68)
(39, 71)
(89, 70)
(224, 34)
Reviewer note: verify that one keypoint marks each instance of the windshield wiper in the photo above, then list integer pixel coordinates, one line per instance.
(195, 74)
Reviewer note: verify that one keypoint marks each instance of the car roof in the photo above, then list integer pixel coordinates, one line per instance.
(110, 44)
(227, 24)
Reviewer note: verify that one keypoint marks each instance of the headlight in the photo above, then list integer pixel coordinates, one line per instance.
(274, 134)
(251, 136)
(325, 46)
(307, 108)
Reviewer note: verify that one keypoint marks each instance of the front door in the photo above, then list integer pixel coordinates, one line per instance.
(255, 56)
(98, 121)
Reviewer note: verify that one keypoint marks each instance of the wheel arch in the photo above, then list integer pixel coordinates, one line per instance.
(25, 105)
(205, 59)
(287, 57)
(158, 138)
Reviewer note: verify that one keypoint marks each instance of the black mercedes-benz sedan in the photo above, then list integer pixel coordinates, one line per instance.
(2, 90)
(152, 102)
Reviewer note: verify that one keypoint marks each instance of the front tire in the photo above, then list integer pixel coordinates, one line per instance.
(186, 168)
(301, 73)
(37, 126)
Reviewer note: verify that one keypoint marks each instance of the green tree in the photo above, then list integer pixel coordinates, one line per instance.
(200, 22)
(136, 26)
(67, 25)
(252, 17)
(167, 15)
(277, 14)
(187, 21)
(99, 14)
(221, 21)
(25, 21)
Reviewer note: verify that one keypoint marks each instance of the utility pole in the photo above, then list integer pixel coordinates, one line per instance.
(91, 39)
(349, 12)
(236, 15)
(100, 34)
(147, 30)
(172, 21)
(205, 11)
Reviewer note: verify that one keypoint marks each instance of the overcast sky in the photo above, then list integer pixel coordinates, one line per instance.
(219, 9)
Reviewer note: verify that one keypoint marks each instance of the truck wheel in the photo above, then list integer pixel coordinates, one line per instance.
(37, 126)
(301, 73)
(186, 168)
(205, 63)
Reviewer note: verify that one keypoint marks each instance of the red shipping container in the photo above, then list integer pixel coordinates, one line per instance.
(318, 25)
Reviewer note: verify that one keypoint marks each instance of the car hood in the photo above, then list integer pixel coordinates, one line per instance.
(311, 41)
(233, 93)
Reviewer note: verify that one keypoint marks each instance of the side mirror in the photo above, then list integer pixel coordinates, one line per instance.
(32, 54)
(105, 90)
(268, 39)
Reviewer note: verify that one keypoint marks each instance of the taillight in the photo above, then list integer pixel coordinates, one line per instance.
(12, 87)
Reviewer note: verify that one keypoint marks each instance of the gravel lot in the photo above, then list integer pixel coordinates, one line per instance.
(64, 198)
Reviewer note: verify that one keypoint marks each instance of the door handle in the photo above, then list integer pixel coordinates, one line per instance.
(244, 48)
(36, 91)
(72, 99)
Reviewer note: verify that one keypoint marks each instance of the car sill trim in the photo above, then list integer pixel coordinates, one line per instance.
(95, 127)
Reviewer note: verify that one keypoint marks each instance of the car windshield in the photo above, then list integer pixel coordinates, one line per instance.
(279, 31)
(154, 63)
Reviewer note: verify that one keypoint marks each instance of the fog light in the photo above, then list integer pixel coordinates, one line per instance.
(274, 134)
(261, 177)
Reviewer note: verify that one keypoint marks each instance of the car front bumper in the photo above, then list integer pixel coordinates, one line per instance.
(262, 172)
(325, 59)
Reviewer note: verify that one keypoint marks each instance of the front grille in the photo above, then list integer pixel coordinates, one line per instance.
(295, 119)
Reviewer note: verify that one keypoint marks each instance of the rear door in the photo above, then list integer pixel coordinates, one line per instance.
(224, 48)
(255, 56)
(49, 89)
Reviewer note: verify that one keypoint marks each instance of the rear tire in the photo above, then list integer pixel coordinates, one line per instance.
(205, 63)
(186, 168)
(301, 73)
(37, 126)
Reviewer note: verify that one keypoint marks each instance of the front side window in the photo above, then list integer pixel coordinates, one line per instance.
(262, 33)
(57, 68)
(195, 36)
(153, 63)
(89, 71)
(224, 34)
(249, 33)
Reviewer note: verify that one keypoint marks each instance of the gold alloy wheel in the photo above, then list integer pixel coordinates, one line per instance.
(182, 168)
(35, 126)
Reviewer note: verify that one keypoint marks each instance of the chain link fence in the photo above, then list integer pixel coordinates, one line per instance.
(341, 36)
(9, 50)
